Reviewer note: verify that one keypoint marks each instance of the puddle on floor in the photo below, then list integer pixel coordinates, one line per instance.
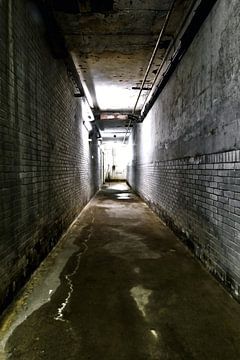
(123, 196)
(141, 297)
(68, 277)
(117, 186)
(42, 285)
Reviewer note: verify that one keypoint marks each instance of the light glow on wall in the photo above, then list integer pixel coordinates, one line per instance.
(147, 136)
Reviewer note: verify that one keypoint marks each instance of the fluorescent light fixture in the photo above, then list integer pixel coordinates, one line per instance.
(87, 125)
(87, 94)
(87, 113)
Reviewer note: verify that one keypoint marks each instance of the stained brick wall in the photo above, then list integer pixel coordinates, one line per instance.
(186, 161)
(48, 169)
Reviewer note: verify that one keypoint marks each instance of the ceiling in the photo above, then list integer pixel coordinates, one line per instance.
(111, 43)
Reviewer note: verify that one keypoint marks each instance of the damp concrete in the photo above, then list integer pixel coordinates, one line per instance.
(120, 285)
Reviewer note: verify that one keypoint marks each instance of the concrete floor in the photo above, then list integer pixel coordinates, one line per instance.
(120, 285)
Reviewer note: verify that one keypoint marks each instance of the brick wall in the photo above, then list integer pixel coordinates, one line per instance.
(48, 169)
(186, 152)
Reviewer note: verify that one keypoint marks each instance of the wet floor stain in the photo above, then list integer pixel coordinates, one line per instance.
(124, 196)
(120, 285)
(141, 296)
(39, 289)
(68, 277)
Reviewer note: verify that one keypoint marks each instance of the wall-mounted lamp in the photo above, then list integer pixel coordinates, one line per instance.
(87, 125)
(87, 113)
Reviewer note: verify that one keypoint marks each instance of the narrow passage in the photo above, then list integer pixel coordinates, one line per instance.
(120, 285)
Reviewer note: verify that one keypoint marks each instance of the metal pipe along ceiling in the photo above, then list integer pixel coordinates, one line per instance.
(154, 52)
(151, 62)
(199, 11)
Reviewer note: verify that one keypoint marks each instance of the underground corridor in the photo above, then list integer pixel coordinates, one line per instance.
(120, 180)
